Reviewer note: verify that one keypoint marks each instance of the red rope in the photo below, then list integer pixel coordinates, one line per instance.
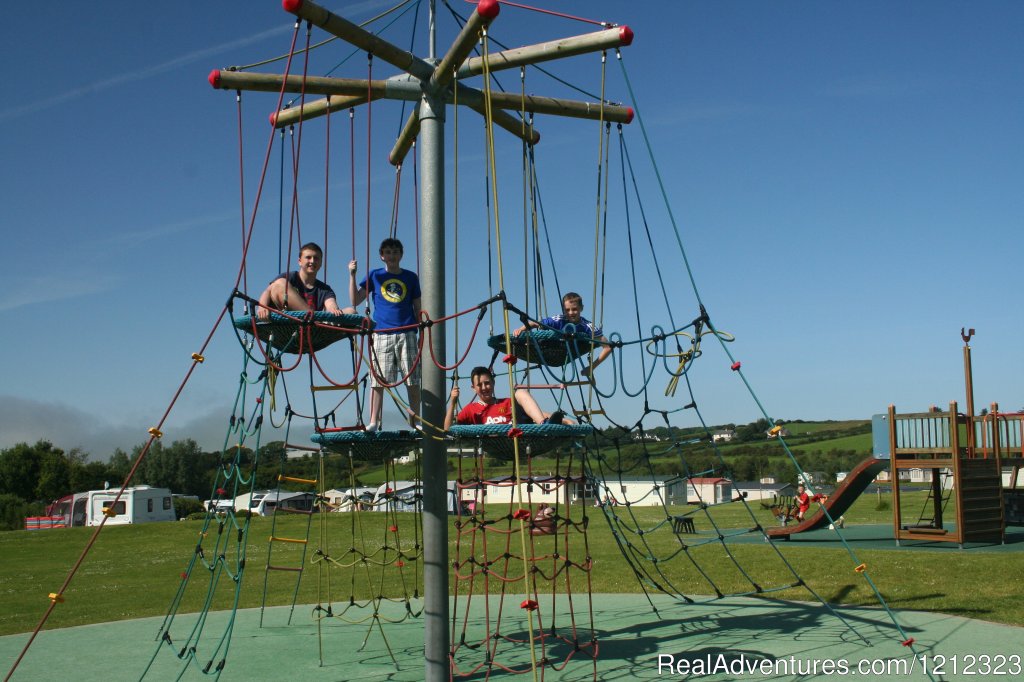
(127, 481)
(352, 171)
(327, 186)
(241, 184)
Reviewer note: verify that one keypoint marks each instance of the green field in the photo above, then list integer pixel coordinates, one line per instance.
(134, 571)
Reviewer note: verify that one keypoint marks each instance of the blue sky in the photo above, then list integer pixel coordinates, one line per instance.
(846, 179)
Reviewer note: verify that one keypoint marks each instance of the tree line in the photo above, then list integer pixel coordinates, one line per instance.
(33, 476)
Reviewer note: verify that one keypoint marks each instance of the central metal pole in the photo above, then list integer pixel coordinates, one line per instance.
(435, 462)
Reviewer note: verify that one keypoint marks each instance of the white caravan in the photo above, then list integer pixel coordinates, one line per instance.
(138, 504)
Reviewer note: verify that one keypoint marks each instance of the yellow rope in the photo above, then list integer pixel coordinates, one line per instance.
(489, 124)
(602, 170)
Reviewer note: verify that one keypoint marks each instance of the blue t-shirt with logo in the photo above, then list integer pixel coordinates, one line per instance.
(584, 326)
(392, 295)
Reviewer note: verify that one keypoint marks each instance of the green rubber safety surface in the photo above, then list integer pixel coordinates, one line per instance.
(633, 640)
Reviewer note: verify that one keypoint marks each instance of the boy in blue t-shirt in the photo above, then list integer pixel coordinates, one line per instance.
(572, 313)
(395, 296)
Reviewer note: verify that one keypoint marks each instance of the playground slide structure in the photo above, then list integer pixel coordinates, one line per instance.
(839, 501)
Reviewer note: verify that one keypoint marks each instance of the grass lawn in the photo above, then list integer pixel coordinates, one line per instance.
(134, 571)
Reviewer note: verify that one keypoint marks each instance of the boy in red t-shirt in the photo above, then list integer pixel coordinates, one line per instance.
(803, 501)
(486, 409)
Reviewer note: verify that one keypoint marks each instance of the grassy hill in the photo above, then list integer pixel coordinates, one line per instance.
(829, 446)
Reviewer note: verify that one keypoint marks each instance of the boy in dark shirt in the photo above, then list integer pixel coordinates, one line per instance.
(300, 291)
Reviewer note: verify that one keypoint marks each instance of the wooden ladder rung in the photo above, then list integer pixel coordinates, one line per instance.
(581, 413)
(284, 568)
(295, 541)
(342, 387)
(306, 448)
(292, 479)
(293, 510)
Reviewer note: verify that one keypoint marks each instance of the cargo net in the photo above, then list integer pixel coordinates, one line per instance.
(674, 528)
(212, 579)
(367, 562)
(522, 570)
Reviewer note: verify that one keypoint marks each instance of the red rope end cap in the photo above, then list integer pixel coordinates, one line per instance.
(515, 433)
(736, 365)
(488, 9)
(626, 36)
(273, 120)
(292, 6)
(220, 491)
(629, 115)
(184, 575)
(529, 605)
(399, 563)
(214, 78)
(393, 529)
(908, 642)
(510, 359)
(522, 514)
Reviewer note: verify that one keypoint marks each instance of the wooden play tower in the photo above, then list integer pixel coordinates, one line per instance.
(963, 456)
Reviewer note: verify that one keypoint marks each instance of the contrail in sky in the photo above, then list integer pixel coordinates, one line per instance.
(141, 74)
(190, 58)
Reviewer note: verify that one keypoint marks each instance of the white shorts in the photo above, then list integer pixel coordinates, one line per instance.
(393, 356)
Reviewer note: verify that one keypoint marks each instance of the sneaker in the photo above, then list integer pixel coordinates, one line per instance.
(557, 417)
(371, 427)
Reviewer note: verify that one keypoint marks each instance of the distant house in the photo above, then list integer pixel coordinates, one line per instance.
(708, 490)
(757, 490)
(723, 436)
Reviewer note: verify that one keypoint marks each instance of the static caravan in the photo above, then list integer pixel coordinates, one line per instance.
(506, 491)
(643, 492)
(263, 502)
(406, 496)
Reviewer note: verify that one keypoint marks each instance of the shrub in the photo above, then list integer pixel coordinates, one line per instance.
(13, 511)
(186, 506)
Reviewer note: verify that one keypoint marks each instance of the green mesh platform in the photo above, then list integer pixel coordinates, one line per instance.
(545, 346)
(378, 445)
(288, 335)
(536, 439)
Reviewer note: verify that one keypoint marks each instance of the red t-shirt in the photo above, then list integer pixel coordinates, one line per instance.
(498, 412)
